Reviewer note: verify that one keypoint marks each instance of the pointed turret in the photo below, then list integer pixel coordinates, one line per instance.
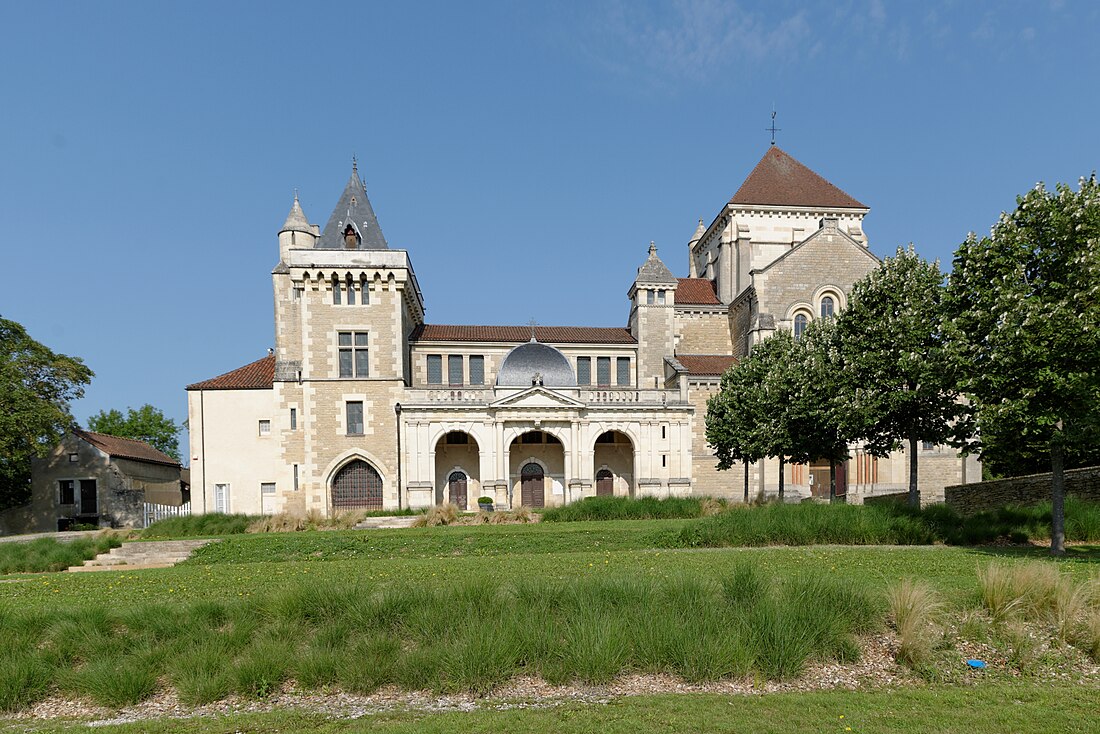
(296, 221)
(652, 295)
(693, 272)
(353, 225)
(297, 233)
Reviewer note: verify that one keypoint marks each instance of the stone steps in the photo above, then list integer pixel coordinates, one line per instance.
(153, 554)
(386, 523)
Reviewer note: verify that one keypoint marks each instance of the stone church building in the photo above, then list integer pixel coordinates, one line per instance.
(364, 405)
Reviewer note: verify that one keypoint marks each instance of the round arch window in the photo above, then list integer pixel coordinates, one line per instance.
(801, 321)
(828, 307)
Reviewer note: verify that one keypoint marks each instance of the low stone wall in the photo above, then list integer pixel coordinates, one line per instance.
(968, 499)
(896, 498)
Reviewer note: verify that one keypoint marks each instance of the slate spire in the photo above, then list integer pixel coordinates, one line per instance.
(353, 224)
(296, 221)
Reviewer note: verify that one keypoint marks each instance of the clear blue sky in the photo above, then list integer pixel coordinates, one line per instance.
(524, 153)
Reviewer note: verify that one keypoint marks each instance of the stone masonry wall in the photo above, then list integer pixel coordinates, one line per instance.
(1028, 490)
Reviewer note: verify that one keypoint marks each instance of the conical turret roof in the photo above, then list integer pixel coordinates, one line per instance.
(653, 270)
(353, 208)
(780, 180)
(296, 221)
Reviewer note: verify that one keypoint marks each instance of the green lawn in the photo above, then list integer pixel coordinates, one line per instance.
(579, 556)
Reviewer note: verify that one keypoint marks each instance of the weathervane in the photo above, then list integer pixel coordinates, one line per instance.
(773, 129)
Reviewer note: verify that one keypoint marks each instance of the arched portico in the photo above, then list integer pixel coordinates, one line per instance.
(613, 464)
(457, 453)
(536, 461)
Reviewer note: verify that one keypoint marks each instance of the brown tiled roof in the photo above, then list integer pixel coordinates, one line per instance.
(706, 364)
(519, 334)
(696, 292)
(780, 180)
(258, 375)
(126, 448)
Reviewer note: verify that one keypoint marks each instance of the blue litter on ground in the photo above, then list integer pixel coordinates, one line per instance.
(974, 663)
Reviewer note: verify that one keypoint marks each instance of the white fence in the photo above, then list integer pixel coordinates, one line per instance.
(160, 512)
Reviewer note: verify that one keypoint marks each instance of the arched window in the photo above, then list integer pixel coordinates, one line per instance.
(357, 486)
(800, 323)
(827, 307)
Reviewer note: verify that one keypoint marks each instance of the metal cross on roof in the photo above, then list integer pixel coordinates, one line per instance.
(773, 129)
(532, 323)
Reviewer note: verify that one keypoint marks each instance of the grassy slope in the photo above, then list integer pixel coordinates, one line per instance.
(992, 708)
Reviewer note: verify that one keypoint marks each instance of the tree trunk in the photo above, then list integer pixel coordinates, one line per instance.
(1057, 499)
(780, 478)
(914, 493)
(832, 481)
(746, 482)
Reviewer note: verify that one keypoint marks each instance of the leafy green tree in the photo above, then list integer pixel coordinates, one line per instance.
(146, 424)
(1025, 328)
(733, 415)
(36, 386)
(818, 405)
(900, 388)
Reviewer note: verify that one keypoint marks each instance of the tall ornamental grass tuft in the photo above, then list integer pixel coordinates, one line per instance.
(210, 525)
(626, 508)
(915, 608)
(805, 524)
(471, 635)
(48, 554)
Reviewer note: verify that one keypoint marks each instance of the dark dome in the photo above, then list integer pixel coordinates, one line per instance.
(521, 366)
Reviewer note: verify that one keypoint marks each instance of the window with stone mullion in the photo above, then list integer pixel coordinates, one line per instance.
(354, 357)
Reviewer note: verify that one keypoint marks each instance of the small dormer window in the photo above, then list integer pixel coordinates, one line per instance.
(351, 238)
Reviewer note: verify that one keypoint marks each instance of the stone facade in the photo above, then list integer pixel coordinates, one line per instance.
(364, 404)
(1028, 490)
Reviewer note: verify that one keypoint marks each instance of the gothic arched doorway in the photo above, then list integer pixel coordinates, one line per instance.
(357, 486)
(532, 486)
(456, 489)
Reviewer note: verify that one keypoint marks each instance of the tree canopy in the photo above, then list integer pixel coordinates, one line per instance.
(1025, 331)
(36, 385)
(900, 388)
(146, 424)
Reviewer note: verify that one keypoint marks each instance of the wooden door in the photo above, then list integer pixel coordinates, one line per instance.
(532, 486)
(89, 503)
(456, 488)
(605, 483)
(819, 479)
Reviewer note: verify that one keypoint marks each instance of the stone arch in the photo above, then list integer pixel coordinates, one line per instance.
(614, 451)
(451, 456)
(834, 291)
(550, 455)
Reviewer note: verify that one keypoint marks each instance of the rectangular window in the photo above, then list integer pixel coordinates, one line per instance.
(221, 498)
(454, 370)
(584, 370)
(622, 371)
(295, 477)
(354, 360)
(365, 293)
(267, 488)
(603, 370)
(296, 294)
(435, 369)
(663, 430)
(335, 292)
(661, 298)
(74, 458)
(929, 446)
(649, 297)
(664, 459)
(265, 427)
(351, 292)
(355, 417)
(68, 495)
(294, 419)
(477, 369)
